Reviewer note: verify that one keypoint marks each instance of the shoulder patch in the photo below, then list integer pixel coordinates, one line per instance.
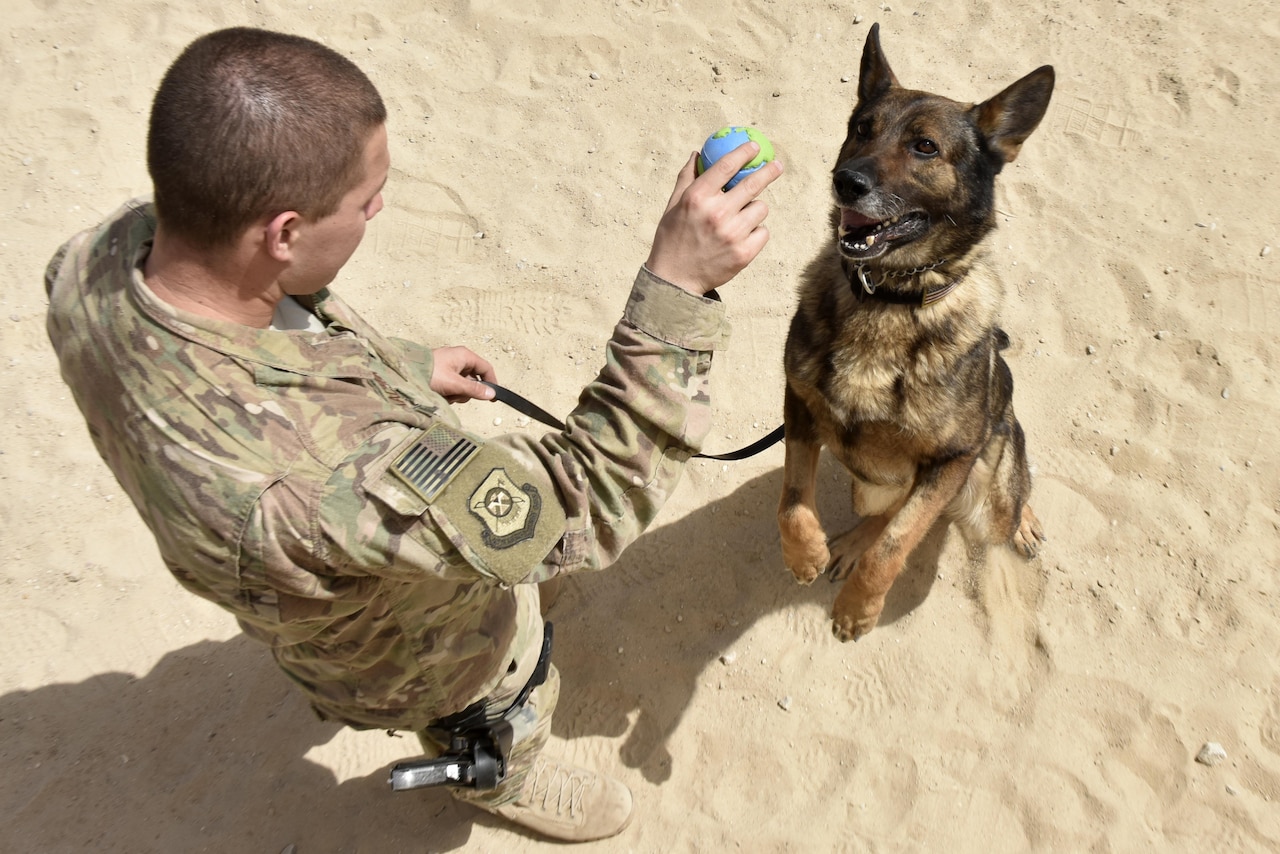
(509, 512)
(502, 515)
(431, 463)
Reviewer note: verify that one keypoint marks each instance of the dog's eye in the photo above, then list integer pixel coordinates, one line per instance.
(862, 129)
(927, 147)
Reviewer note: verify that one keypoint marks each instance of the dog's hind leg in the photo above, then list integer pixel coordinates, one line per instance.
(861, 599)
(849, 546)
(1030, 533)
(804, 543)
(1011, 518)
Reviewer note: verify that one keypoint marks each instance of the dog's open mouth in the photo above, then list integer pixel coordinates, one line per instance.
(862, 237)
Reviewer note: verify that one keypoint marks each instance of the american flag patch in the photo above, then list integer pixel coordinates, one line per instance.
(432, 461)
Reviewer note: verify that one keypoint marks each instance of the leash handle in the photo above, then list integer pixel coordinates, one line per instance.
(525, 407)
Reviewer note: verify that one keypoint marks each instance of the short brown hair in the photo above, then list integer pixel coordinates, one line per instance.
(248, 123)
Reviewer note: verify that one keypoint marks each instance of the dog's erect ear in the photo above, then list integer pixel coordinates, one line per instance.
(1009, 118)
(875, 77)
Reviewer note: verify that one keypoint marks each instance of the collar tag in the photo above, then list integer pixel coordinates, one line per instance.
(867, 285)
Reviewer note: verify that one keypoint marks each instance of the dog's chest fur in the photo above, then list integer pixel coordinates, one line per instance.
(869, 371)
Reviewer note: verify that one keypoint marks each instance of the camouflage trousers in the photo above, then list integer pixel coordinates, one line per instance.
(531, 724)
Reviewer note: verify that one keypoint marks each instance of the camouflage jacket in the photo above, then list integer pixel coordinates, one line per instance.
(315, 486)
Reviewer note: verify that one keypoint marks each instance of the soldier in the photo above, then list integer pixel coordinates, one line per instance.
(307, 473)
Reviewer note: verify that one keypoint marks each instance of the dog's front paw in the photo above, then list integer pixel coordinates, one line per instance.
(852, 617)
(855, 612)
(1030, 534)
(804, 543)
(806, 560)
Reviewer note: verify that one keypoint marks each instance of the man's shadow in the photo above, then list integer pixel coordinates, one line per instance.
(681, 597)
(208, 750)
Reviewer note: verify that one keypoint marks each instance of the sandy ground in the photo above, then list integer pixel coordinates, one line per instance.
(1056, 705)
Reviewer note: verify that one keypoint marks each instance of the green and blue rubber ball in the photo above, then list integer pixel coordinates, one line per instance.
(727, 139)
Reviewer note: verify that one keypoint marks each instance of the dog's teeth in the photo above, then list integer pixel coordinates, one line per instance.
(871, 240)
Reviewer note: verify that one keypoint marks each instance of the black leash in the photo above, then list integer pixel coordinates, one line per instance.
(519, 404)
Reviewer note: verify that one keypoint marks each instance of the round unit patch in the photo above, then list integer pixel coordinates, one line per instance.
(509, 512)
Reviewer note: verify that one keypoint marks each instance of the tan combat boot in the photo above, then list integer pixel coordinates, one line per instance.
(570, 803)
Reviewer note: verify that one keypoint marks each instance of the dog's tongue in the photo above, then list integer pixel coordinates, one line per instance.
(851, 219)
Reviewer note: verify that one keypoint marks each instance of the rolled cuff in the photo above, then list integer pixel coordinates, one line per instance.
(675, 316)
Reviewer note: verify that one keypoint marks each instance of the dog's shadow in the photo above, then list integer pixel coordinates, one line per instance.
(681, 597)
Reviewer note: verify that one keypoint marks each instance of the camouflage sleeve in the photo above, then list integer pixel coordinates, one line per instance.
(518, 508)
(412, 360)
(636, 424)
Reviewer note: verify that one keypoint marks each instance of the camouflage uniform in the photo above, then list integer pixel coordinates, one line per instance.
(315, 486)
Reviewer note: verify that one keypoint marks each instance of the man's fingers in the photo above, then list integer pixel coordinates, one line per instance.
(722, 171)
(756, 211)
(480, 391)
(686, 177)
(465, 389)
(754, 184)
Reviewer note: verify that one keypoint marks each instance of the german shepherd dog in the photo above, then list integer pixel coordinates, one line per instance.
(893, 355)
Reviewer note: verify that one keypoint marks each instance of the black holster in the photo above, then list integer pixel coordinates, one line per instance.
(478, 745)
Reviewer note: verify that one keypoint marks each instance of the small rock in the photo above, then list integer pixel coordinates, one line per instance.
(1226, 393)
(728, 658)
(1162, 334)
(1115, 449)
(1266, 250)
(857, 19)
(1091, 349)
(785, 704)
(595, 75)
(1211, 754)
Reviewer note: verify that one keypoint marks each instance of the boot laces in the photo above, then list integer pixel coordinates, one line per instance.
(558, 789)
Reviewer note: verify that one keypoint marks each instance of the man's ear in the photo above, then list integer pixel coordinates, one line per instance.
(280, 235)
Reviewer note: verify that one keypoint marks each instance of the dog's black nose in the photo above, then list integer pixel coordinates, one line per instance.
(855, 179)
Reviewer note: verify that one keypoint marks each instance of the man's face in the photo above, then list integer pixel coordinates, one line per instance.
(322, 247)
